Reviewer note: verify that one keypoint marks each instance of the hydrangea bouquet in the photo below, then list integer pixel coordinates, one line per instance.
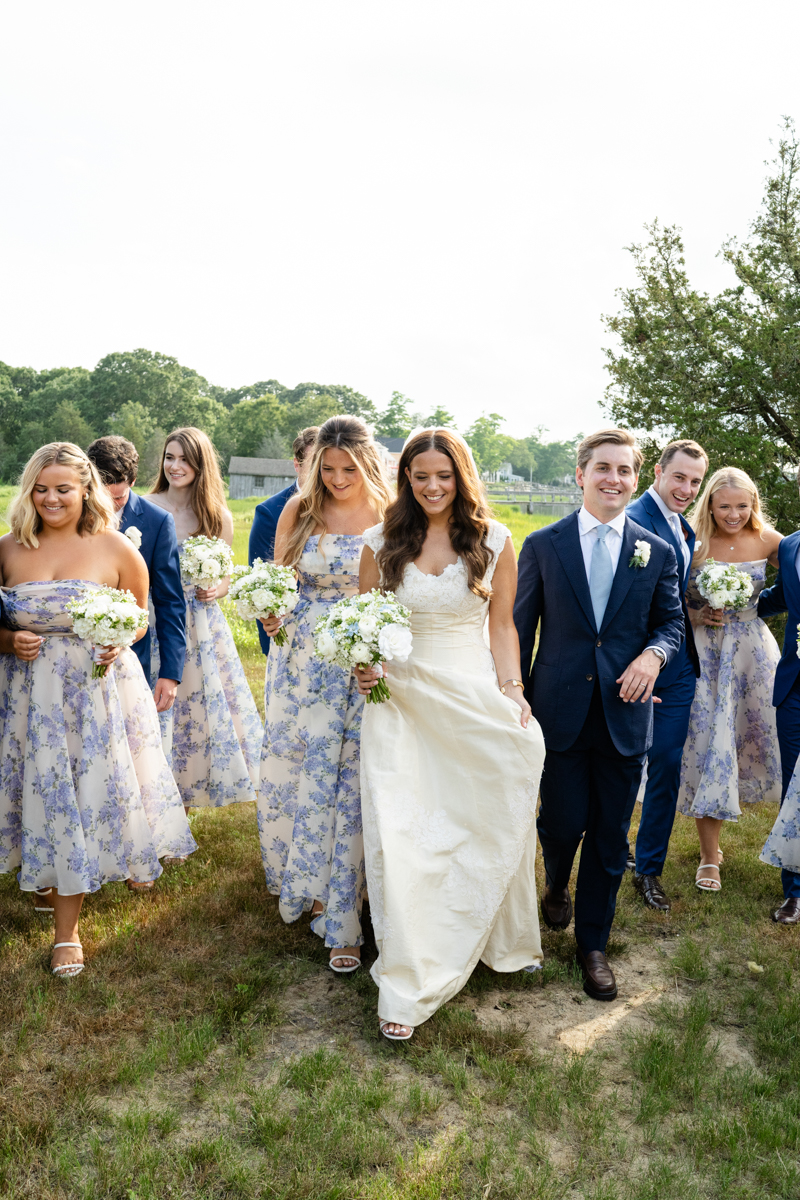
(205, 561)
(264, 590)
(363, 631)
(106, 617)
(723, 586)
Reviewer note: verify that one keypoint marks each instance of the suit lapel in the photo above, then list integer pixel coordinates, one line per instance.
(567, 545)
(666, 531)
(623, 576)
(130, 512)
(791, 583)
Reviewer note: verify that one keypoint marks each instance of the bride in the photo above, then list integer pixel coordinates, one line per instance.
(450, 766)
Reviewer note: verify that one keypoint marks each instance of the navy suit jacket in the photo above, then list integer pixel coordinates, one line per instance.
(262, 538)
(159, 549)
(645, 512)
(784, 597)
(644, 609)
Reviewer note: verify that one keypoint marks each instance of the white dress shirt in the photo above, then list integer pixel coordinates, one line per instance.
(616, 530)
(586, 526)
(674, 520)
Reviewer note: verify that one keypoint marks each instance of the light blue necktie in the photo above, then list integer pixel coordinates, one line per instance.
(601, 575)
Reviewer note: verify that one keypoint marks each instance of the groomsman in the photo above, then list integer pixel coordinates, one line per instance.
(606, 592)
(267, 514)
(152, 531)
(678, 476)
(784, 597)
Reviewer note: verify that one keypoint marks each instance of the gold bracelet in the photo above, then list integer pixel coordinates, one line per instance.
(515, 682)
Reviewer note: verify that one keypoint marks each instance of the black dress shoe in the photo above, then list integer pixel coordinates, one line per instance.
(630, 864)
(598, 978)
(788, 913)
(650, 889)
(557, 909)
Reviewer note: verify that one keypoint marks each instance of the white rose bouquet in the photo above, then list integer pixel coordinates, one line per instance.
(723, 586)
(106, 617)
(205, 561)
(362, 631)
(264, 590)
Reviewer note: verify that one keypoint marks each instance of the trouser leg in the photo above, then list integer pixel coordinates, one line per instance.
(787, 719)
(670, 729)
(564, 792)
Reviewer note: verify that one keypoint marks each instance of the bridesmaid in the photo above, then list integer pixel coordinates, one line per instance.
(450, 765)
(731, 754)
(215, 727)
(86, 795)
(309, 807)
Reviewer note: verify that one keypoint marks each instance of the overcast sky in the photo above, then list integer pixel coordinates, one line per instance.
(430, 197)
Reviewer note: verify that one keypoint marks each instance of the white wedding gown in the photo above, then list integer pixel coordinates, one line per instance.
(449, 784)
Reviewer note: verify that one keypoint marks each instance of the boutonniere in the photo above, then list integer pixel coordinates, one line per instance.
(641, 554)
(135, 536)
(798, 641)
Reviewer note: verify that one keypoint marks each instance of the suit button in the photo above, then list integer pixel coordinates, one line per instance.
(590, 678)
(599, 643)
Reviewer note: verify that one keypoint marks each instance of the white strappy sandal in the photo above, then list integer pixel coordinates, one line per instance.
(344, 958)
(396, 1037)
(707, 884)
(67, 970)
(40, 900)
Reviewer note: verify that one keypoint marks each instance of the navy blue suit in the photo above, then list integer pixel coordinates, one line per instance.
(595, 742)
(675, 689)
(784, 597)
(262, 538)
(159, 549)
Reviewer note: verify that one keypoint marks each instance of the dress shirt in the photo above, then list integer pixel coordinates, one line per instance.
(586, 527)
(674, 520)
(616, 531)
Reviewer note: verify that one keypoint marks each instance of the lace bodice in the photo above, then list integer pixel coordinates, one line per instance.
(757, 570)
(448, 592)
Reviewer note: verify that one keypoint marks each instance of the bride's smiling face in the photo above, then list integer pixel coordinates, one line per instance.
(433, 482)
(58, 496)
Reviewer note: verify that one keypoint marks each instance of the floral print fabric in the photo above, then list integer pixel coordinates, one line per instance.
(212, 734)
(86, 795)
(731, 755)
(309, 802)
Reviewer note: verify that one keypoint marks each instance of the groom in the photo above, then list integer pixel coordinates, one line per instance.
(606, 593)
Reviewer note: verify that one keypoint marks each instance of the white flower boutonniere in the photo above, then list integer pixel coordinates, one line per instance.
(641, 555)
(135, 536)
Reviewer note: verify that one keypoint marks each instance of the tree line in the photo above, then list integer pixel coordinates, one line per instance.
(142, 395)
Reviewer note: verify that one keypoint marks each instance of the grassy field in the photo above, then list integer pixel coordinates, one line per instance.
(207, 1053)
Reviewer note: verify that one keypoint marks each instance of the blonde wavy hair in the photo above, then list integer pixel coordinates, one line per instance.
(702, 519)
(208, 490)
(98, 507)
(338, 433)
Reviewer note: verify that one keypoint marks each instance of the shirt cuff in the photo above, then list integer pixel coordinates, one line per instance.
(661, 652)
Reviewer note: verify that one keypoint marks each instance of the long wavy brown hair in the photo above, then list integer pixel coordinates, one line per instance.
(405, 525)
(208, 490)
(339, 433)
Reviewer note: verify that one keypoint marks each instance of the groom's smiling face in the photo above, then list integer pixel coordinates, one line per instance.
(608, 480)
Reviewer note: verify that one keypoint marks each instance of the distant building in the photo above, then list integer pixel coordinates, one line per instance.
(259, 476)
(392, 449)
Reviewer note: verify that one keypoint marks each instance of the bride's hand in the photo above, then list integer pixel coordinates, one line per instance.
(271, 625)
(26, 645)
(518, 696)
(367, 677)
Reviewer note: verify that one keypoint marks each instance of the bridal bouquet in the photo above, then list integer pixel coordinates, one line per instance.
(106, 617)
(362, 631)
(723, 586)
(264, 590)
(205, 561)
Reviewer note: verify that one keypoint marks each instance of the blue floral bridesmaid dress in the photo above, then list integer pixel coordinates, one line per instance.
(309, 799)
(86, 794)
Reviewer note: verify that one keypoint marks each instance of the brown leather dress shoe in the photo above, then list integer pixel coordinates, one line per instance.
(598, 978)
(788, 913)
(557, 909)
(650, 889)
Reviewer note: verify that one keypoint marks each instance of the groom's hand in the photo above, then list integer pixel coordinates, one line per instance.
(638, 680)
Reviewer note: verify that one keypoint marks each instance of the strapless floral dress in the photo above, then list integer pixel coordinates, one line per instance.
(86, 794)
(212, 734)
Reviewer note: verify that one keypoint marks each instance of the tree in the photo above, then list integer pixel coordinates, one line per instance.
(134, 422)
(723, 369)
(440, 418)
(490, 447)
(172, 394)
(250, 422)
(396, 419)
